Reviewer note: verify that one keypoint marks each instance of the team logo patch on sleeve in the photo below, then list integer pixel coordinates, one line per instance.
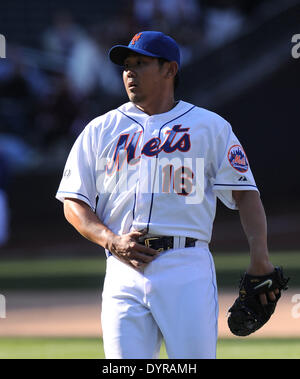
(237, 158)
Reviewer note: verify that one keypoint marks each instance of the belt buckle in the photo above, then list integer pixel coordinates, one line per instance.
(147, 243)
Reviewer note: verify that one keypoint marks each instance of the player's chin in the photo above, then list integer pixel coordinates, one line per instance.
(134, 97)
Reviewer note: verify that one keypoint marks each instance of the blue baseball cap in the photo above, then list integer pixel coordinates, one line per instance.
(149, 43)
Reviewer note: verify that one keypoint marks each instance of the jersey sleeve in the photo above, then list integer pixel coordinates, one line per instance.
(232, 168)
(78, 180)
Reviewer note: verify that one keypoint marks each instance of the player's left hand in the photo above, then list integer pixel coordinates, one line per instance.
(264, 269)
(249, 313)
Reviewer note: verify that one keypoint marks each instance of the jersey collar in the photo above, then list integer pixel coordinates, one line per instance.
(130, 110)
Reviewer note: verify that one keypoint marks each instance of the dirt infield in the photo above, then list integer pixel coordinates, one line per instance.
(77, 314)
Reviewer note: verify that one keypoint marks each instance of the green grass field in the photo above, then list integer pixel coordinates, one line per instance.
(75, 273)
(92, 348)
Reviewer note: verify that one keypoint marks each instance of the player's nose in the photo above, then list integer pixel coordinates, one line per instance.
(130, 72)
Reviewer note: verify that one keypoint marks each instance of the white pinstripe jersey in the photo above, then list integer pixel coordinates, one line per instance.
(163, 172)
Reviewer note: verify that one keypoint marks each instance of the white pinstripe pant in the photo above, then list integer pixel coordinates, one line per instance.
(175, 298)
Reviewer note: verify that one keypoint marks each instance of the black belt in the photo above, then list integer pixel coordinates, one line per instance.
(162, 243)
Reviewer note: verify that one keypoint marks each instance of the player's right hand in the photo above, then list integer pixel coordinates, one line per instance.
(127, 248)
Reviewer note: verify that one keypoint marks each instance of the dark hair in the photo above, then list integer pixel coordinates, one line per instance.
(161, 61)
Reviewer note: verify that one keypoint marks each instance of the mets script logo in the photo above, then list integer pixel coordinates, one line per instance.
(176, 138)
(237, 158)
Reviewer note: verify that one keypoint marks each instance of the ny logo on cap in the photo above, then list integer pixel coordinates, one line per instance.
(135, 38)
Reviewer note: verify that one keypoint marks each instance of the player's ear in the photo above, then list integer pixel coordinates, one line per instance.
(172, 70)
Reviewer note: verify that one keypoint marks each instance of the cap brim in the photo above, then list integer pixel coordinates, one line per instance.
(117, 54)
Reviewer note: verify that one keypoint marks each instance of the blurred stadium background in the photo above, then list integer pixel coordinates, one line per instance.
(56, 77)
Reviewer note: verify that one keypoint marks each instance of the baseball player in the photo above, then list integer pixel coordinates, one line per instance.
(142, 181)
